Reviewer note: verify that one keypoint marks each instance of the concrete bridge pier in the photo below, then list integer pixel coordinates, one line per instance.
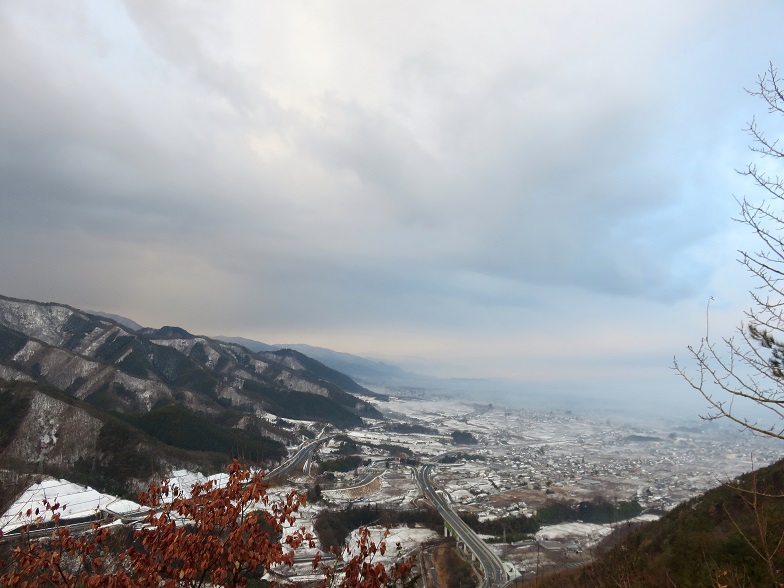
(448, 532)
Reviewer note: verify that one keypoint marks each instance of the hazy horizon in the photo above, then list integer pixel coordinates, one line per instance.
(537, 193)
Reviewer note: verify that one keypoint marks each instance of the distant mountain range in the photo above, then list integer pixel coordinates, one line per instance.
(370, 371)
(387, 378)
(135, 389)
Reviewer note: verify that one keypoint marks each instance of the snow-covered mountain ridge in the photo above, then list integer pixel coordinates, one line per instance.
(187, 391)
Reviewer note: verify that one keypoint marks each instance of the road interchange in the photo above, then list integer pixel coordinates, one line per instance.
(495, 574)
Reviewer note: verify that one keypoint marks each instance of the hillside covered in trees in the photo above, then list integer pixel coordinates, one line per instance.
(730, 536)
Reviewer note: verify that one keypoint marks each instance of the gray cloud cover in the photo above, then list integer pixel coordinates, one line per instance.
(454, 181)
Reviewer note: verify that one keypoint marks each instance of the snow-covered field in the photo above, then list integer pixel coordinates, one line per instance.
(400, 542)
(184, 480)
(585, 533)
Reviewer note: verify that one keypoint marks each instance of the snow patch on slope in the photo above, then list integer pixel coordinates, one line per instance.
(46, 424)
(34, 320)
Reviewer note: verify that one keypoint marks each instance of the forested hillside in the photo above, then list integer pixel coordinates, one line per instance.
(730, 536)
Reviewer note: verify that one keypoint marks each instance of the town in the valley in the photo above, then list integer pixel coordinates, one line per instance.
(487, 463)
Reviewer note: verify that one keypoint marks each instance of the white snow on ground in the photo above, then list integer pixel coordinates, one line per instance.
(303, 524)
(408, 538)
(83, 501)
(119, 506)
(220, 480)
(460, 495)
(356, 492)
(584, 532)
(185, 479)
(76, 501)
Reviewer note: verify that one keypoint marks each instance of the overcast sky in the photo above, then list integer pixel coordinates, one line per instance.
(530, 190)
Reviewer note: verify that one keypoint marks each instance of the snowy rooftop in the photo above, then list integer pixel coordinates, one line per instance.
(76, 502)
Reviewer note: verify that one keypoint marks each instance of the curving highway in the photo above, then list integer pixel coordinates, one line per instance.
(298, 460)
(494, 573)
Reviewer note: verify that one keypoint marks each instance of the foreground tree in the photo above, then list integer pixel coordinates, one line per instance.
(359, 567)
(218, 535)
(743, 373)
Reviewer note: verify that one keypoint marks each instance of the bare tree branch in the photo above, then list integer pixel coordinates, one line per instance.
(740, 372)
